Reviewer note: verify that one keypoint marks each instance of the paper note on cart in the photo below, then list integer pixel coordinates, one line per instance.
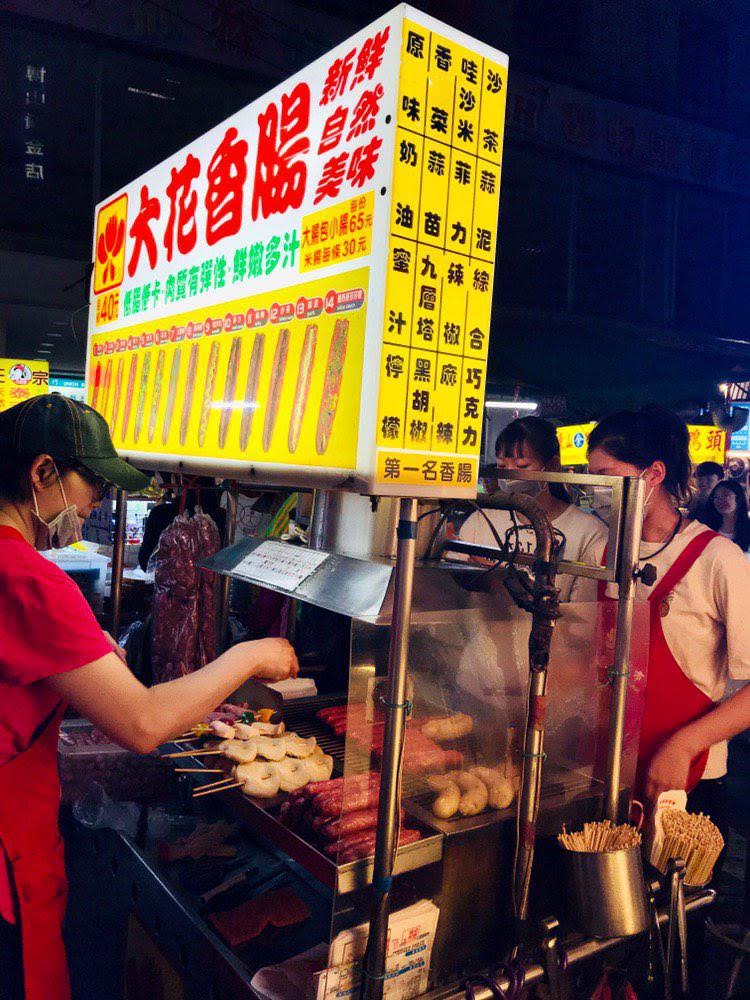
(279, 565)
(411, 933)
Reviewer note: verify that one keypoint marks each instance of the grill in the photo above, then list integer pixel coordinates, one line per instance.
(301, 719)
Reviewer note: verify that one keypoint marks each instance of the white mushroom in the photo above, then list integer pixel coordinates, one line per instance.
(259, 779)
(248, 731)
(219, 728)
(240, 751)
(296, 746)
(319, 766)
(269, 748)
(292, 774)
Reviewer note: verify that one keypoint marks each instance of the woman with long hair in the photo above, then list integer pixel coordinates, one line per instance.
(726, 512)
(699, 626)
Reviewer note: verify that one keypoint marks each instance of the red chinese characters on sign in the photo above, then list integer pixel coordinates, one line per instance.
(355, 67)
(182, 204)
(280, 170)
(365, 112)
(333, 130)
(141, 233)
(362, 164)
(226, 175)
(338, 77)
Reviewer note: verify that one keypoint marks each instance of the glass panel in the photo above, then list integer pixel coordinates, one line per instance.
(468, 677)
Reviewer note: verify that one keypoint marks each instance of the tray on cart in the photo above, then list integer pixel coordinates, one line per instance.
(262, 815)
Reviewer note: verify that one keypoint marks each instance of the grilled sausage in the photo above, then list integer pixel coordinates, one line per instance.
(332, 385)
(301, 393)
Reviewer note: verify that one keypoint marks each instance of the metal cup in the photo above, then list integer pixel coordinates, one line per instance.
(607, 892)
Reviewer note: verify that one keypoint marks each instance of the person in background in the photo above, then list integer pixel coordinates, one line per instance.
(707, 475)
(699, 625)
(531, 443)
(56, 462)
(726, 512)
(202, 492)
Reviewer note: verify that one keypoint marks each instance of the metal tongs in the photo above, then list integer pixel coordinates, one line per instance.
(676, 928)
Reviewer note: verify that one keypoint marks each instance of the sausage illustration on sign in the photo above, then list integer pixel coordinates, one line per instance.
(187, 404)
(230, 384)
(106, 383)
(251, 389)
(142, 396)
(208, 392)
(117, 394)
(332, 385)
(129, 395)
(157, 394)
(174, 375)
(301, 393)
(97, 383)
(276, 387)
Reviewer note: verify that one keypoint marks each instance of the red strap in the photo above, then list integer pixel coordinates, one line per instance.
(679, 568)
(6, 531)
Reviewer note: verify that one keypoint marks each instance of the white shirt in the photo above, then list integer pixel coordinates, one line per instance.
(707, 627)
(585, 539)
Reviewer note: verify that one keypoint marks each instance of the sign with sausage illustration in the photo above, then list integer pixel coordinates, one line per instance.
(303, 294)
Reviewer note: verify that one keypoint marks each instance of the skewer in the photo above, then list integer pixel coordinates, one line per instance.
(199, 770)
(210, 791)
(221, 781)
(192, 753)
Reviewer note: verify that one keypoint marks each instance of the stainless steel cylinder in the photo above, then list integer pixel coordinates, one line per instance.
(365, 527)
(607, 893)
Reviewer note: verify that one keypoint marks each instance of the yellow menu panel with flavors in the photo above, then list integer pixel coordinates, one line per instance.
(440, 265)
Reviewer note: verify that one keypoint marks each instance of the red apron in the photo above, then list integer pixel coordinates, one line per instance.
(672, 700)
(30, 839)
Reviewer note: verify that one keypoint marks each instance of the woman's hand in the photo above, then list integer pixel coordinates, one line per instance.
(669, 767)
(275, 659)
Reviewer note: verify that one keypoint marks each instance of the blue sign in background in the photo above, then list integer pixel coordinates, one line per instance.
(740, 440)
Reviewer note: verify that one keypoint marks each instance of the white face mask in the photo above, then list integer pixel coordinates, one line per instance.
(65, 529)
(649, 494)
(524, 487)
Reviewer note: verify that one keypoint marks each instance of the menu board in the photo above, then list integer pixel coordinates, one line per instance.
(440, 266)
(20, 380)
(304, 293)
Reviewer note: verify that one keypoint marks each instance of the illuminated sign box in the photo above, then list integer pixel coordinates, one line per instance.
(304, 293)
(707, 444)
(20, 380)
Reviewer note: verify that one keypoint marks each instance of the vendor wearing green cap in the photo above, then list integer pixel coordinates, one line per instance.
(56, 461)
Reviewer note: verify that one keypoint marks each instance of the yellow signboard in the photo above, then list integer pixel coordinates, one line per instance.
(574, 442)
(440, 264)
(707, 444)
(20, 380)
(276, 380)
(303, 294)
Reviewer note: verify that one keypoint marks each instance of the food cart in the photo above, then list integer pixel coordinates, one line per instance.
(302, 297)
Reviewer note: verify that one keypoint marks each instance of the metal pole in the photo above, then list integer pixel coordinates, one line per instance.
(226, 580)
(634, 490)
(118, 558)
(389, 806)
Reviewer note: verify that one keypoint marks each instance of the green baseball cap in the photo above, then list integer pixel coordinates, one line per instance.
(70, 431)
